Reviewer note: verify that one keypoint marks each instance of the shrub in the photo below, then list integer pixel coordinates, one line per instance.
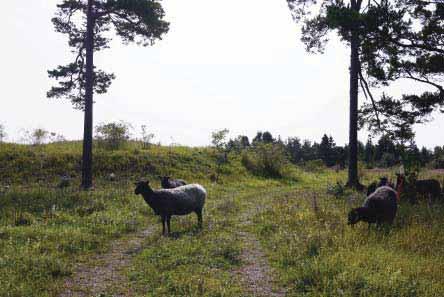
(267, 160)
(37, 136)
(147, 137)
(438, 163)
(314, 165)
(113, 135)
(218, 140)
(2, 133)
(337, 190)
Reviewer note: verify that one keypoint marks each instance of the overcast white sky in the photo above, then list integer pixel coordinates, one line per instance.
(236, 64)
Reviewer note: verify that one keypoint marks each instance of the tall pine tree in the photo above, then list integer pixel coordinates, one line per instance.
(88, 25)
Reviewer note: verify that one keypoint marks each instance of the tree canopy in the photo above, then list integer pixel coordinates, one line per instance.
(389, 40)
(139, 21)
(410, 47)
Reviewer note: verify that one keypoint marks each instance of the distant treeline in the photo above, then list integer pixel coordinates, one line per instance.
(384, 153)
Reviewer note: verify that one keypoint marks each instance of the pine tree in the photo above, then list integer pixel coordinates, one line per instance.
(87, 24)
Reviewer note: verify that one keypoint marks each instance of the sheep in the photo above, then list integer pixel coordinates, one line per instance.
(168, 183)
(429, 188)
(380, 207)
(178, 201)
(383, 181)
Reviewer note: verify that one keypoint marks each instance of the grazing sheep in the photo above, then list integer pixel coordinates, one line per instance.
(428, 188)
(383, 181)
(168, 183)
(380, 207)
(178, 201)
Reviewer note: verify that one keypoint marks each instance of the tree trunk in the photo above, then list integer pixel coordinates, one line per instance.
(88, 122)
(353, 180)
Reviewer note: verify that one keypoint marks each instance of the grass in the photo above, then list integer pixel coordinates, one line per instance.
(45, 231)
(317, 254)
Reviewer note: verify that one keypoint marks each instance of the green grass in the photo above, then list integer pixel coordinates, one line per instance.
(317, 254)
(45, 231)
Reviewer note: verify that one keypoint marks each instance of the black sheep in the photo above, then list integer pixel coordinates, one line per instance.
(380, 207)
(383, 181)
(168, 183)
(429, 188)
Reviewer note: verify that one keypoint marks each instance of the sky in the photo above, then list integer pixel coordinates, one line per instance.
(236, 64)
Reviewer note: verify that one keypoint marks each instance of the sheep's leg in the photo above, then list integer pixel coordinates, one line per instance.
(168, 222)
(199, 217)
(163, 225)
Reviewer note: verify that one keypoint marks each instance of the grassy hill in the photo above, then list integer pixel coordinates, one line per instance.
(47, 232)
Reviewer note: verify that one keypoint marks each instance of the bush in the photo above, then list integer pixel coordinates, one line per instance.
(337, 190)
(113, 136)
(147, 137)
(438, 163)
(35, 137)
(267, 160)
(314, 165)
(2, 133)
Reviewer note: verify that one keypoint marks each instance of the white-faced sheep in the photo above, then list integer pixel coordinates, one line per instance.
(380, 207)
(180, 201)
(168, 183)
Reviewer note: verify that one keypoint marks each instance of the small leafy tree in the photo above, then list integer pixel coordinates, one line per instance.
(2, 132)
(35, 137)
(88, 24)
(54, 137)
(147, 137)
(114, 135)
(218, 140)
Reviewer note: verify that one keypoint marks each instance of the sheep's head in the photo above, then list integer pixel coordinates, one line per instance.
(164, 180)
(141, 186)
(354, 216)
(383, 181)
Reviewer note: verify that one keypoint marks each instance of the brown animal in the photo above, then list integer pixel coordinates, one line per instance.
(429, 188)
(380, 207)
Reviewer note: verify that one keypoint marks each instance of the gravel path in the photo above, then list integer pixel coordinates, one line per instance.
(256, 273)
(106, 276)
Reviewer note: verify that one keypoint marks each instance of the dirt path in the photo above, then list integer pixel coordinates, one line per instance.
(106, 274)
(256, 273)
